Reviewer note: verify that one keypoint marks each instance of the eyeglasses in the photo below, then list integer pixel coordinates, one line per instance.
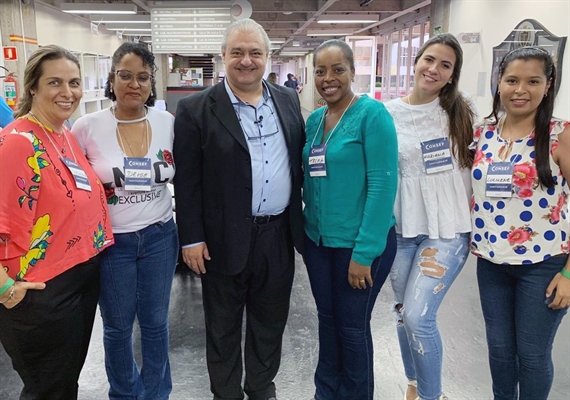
(271, 124)
(144, 79)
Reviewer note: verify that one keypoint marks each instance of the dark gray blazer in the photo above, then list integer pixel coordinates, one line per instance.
(213, 185)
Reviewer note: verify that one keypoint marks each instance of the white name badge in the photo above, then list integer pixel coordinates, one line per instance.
(436, 155)
(137, 174)
(317, 164)
(79, 176)
(499, 180)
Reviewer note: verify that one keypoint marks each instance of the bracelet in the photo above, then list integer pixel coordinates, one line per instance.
(6, 286)
(10, 295)
(565, 273)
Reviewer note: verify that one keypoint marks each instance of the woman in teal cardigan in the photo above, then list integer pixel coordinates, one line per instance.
(351, 170)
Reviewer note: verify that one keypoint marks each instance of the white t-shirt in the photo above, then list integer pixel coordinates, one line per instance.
(436, 205)
(130, 210)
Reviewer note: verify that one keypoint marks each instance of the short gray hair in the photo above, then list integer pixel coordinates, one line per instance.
(245, 25)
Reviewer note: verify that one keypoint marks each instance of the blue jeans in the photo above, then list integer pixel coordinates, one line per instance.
(345, 370)
(520, 327)
(136, 279)
(422, 273)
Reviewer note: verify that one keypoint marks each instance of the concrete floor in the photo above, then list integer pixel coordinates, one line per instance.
(466, 373)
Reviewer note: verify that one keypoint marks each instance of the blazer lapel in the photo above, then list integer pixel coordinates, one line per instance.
(224, 110)
(280, 100)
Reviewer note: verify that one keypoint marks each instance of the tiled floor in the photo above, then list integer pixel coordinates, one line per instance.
(466, 374)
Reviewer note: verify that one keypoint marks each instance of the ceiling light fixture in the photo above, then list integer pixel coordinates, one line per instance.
(329, 32)
(98, 8)
(346, 19)
(120, 19)
(278, 40)
(128, 27)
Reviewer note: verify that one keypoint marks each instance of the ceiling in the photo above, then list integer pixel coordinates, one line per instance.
(293, 23)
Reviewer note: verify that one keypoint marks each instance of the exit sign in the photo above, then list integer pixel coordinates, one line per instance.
(10, 53)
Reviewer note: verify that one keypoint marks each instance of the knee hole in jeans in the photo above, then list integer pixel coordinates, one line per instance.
(429, 266)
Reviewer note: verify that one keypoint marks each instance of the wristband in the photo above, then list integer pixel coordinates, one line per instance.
(9, 284)
(565, 273)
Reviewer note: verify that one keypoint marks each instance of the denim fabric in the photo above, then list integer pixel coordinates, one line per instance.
(345, 370)
(520, 326)
(136, 279)
(420, 282)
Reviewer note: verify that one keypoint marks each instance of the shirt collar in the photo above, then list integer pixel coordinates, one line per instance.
(235, 100)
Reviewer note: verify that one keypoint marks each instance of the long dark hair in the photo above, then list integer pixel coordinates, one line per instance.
(543, 112)
(459, 112)
(147, 57)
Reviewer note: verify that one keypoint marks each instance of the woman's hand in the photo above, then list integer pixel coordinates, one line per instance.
(561, 298)
(20, 290)
(359, 275)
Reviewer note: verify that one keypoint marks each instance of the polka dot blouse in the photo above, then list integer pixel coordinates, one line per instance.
(531, 226)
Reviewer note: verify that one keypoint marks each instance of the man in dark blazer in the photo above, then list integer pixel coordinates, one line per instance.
(237, 149)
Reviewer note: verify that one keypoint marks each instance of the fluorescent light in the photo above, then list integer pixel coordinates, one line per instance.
(278, 40)
(291, 54)
(329, 32)
(346, 19)
(122, 29)
(133, 33)
(98, 8)
(128, 27)
(120, 19)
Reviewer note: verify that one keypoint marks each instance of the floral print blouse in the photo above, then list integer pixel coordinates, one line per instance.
(531, 226)
(48, 225)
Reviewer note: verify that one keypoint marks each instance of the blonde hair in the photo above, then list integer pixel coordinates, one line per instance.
(34, 70)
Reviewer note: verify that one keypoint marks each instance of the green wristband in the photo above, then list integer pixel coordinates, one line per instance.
(565, 273)
(10, 282)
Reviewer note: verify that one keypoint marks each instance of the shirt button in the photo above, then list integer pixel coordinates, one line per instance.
(267, 181)
(266, 162)
(264, 200)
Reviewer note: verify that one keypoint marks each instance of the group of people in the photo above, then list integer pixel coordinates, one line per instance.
(403, 190)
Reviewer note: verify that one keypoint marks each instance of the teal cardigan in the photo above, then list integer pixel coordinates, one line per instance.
(352, 207)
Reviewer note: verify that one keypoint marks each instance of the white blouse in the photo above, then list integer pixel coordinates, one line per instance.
(436, 205)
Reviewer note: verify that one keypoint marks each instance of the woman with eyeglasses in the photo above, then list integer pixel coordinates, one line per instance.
(129, 146)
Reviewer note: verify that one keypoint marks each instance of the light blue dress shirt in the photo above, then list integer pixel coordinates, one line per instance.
(270, 166)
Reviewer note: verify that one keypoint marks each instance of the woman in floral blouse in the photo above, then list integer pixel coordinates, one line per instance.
(520, 230)
(130, 147)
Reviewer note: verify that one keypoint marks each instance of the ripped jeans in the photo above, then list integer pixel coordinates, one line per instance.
(422, 273)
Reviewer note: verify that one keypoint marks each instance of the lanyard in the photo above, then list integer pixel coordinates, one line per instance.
(52, 143)
(333, 130)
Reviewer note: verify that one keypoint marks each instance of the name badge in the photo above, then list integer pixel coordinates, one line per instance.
(317, 164)
(436, 155)
(499, 180)
(79, 176)
(137, 174)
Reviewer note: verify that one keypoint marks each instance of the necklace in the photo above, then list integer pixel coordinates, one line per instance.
(45, 126)
(143, 142)
(65, 140)
(128, 121)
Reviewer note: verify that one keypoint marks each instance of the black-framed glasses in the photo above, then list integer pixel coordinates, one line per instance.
(265, 121)
(124, 76)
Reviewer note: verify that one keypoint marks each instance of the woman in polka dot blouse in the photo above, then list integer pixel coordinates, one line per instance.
(520, 228)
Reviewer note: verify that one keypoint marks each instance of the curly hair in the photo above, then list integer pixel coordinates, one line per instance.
(147, 58)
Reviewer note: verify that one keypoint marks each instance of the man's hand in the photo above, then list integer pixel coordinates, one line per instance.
(194, 257)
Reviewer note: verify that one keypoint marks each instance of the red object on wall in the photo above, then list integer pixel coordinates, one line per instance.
(11, 90)
(10, 53)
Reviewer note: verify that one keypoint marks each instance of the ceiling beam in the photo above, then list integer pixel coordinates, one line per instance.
(393, 17)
